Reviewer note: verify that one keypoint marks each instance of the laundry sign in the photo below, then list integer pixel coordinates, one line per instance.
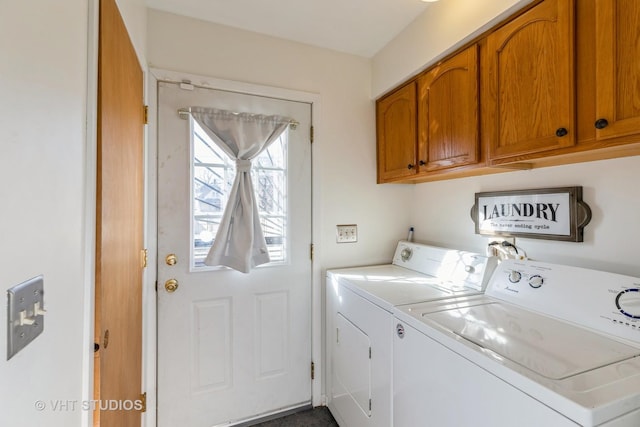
(547, 213)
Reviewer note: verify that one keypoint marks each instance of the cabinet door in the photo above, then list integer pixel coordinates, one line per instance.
(617, 68)
(530, 82)
(396, 130)
(448, 129)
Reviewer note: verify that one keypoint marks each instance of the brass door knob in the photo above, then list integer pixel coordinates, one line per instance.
(171, 259)
(171, 285)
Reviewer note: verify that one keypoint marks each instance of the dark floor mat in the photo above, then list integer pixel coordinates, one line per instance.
(316, 417)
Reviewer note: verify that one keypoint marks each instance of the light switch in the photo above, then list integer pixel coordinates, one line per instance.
(25, 314)
(346, 233)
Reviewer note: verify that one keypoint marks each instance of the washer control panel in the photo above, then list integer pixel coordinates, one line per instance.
(607, 302)
(466, 269)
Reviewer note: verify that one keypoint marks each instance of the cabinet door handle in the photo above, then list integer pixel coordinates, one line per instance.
(601, 123)
(409, 166)
(422, 163)
(561, 132)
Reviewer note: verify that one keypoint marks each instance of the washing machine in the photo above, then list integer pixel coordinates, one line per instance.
(360, 322)
(545, 345)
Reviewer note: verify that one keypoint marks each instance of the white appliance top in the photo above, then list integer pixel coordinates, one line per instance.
(550, 348)
(389, 285)
(575, 332)
(419, 273)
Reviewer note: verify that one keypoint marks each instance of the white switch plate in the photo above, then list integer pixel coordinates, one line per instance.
(23, 298)
(346, 233)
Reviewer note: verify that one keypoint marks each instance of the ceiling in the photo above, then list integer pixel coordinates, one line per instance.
(359, 27)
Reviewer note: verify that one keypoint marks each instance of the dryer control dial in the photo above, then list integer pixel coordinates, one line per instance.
(406, 254)
(536, 281)
(515, 276)
(628, 302)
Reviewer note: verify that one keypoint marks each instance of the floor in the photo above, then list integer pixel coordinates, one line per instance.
(316, 417)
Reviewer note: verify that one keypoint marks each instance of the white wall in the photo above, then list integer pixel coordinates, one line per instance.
(43, 82)
(47, 80)
(438, 31)
(345, 142)
(134, 15)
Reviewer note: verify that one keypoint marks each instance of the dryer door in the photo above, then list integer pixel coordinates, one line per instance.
(352, 364)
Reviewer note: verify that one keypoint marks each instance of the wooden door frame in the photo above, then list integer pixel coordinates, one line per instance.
(91, 173)
(317, 297)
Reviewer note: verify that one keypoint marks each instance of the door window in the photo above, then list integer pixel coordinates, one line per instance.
(213, 172)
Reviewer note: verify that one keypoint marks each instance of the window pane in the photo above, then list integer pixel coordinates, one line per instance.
(211, 185)
(204, 149)
(213, 174)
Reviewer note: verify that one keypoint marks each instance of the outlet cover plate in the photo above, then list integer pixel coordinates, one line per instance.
(346, 233)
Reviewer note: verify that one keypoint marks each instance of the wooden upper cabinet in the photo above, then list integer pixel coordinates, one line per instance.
(448, 118)
(529, 83)
(396, 133)
(617, 59)
(558, 83)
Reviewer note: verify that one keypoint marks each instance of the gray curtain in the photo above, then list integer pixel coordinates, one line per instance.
(240, 243)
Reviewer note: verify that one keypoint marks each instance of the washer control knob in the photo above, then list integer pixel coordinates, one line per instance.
(515, 276)
(628, 302)
(469, 269)
(536, 281)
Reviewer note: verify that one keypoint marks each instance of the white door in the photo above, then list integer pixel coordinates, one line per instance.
(231, 346)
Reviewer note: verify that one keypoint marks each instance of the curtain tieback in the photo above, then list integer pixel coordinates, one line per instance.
(243, 165)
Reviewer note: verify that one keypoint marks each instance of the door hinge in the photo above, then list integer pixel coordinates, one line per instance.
(369, 352)
(369, 404)
(311, 134)
(313, 371)
(143, 258)
(143, 402)
(156, 286)
(146, 114)
(311, 251)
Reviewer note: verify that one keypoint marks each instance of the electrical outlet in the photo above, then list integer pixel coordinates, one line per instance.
(346, 233)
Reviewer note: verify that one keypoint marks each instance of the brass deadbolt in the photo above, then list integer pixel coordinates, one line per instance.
(171, 285)
(171, 259)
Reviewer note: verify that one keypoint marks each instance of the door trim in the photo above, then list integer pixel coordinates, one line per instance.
(317, 303)
(90, 197)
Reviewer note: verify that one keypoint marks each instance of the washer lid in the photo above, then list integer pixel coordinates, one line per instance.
(546, 346)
